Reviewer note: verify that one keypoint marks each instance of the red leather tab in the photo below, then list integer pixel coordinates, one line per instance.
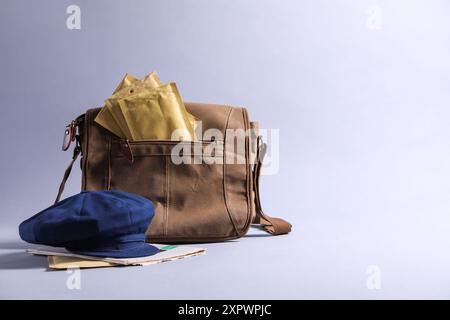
(69, 136)
(125, 147)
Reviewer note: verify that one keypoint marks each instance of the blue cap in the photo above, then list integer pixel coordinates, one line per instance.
(95, 223)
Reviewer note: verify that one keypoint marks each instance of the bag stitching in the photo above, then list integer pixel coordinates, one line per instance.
(248, 172)
(166, 211)
(224, 175)
(86, 151)
(109, 164)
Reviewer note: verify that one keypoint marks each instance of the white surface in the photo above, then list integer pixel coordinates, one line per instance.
(363, 116)
(318, 260)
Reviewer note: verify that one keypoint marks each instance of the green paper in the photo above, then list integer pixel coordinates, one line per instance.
(169, 247)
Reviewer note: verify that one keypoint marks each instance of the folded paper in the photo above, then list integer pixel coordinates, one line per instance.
(60, 258)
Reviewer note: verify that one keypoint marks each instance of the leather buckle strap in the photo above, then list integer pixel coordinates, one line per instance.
(272, 225)
(71, 134)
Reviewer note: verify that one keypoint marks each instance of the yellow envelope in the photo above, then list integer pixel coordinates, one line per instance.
(112, 114)
(136, 89)
(105, 117)
(152, 80)
(127, 80)
(155, 114)
(62, 262)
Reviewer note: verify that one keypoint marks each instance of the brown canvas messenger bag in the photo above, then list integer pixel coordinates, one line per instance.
(194, 202)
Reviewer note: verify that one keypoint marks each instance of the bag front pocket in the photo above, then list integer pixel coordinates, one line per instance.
(145, 176)
(188, 196)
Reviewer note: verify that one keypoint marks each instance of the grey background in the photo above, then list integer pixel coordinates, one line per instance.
(364, 126)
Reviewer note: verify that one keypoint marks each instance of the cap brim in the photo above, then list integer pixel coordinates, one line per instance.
(141, 250)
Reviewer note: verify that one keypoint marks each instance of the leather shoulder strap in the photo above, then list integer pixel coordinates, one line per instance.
(76, 152)
(272, 225)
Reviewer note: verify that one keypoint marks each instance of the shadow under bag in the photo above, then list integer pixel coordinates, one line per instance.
(194, 202)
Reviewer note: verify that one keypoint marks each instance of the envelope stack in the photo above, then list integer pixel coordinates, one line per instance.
(147, 109)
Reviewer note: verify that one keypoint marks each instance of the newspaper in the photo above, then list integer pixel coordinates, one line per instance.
(60, 258)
